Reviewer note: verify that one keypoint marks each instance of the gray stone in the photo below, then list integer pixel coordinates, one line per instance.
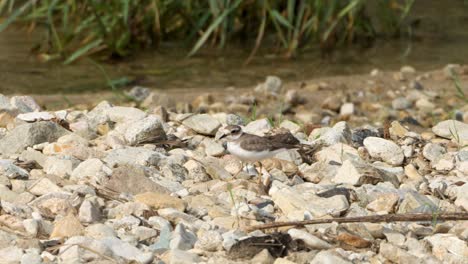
(213, 148)
(398, 255)
(359, 173)
(88, 212)
(25, 104)
(143, 233)
(296, 204)
(258, 127)
(60, 165)
(92, 171)
(30, 134)
(215, 169)
(401, 103)
(339, 133)
(122, 114)
(176, 256)
(433, 151)
(7, 194)
(264, 257)
(5, 105)
(149, 127)
(126, 251)
(384, 149)
(231, 237)
(98, 231)
(164, 238)
(139, 93)
(329, 257)
(425, 106)
(174, 172)
(43, 186)
(309, 240)
(182, 238)
(11, 254)
(203, 124)
(414, 202)
(196, 172)
(271, 86)
(232, 119)
(31, 258)
(12, 171)
(209, 241)
(452, 129)
(134, 180)
(132, 156)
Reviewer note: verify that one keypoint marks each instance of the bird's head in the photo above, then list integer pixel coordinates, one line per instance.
(230, 132)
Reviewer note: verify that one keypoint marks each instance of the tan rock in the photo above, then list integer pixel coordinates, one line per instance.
(384, 203)
(12, 222)
(67, 227)
(160, 201)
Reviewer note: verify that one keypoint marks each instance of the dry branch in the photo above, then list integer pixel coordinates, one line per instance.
(368, 219)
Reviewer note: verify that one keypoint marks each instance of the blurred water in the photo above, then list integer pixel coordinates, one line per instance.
(441, 37)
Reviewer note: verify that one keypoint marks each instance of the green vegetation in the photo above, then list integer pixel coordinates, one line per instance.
(77, 28)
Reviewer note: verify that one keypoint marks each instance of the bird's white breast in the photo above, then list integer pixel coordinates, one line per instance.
(246, 155)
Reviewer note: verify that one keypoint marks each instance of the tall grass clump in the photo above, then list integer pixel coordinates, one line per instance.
(76, 28)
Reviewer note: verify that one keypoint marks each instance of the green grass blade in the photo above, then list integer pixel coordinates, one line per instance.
(83, 50)
(18, 12)
(278, 17)
(212, 27)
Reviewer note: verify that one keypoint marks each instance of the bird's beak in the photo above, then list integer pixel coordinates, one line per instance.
(220, 135)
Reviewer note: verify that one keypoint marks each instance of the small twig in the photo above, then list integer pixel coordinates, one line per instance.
(369, 219)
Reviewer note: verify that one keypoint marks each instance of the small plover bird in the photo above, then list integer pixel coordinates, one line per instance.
(252, 148)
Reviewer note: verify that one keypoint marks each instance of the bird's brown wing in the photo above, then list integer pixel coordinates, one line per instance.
(285, 138)
(256, 143)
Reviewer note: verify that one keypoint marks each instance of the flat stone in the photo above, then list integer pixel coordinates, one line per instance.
(384, 203)
(127, 251)
(132, 156)
(329, 256)
(264, 257)
(414, 202)
(309, 240)
(11, 254)
(209, 240)
(160, 200)
(67, 227)
(339, 133)
(182, 238)
(398, 255)
(24, 104)
(401, 103)
(12, 171)
(149, 127)
(433, 151)
(31, 258)
(122, 114)
(43, 186)
(134, 180)
(88, 212)
(91, 171)
(258, 127)
(295, 204)
(60, 165)
(452, 129)
(213, 148)
(30, 134)
(176, 256)
(203, 124)
(384, 149)
(98, 231)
